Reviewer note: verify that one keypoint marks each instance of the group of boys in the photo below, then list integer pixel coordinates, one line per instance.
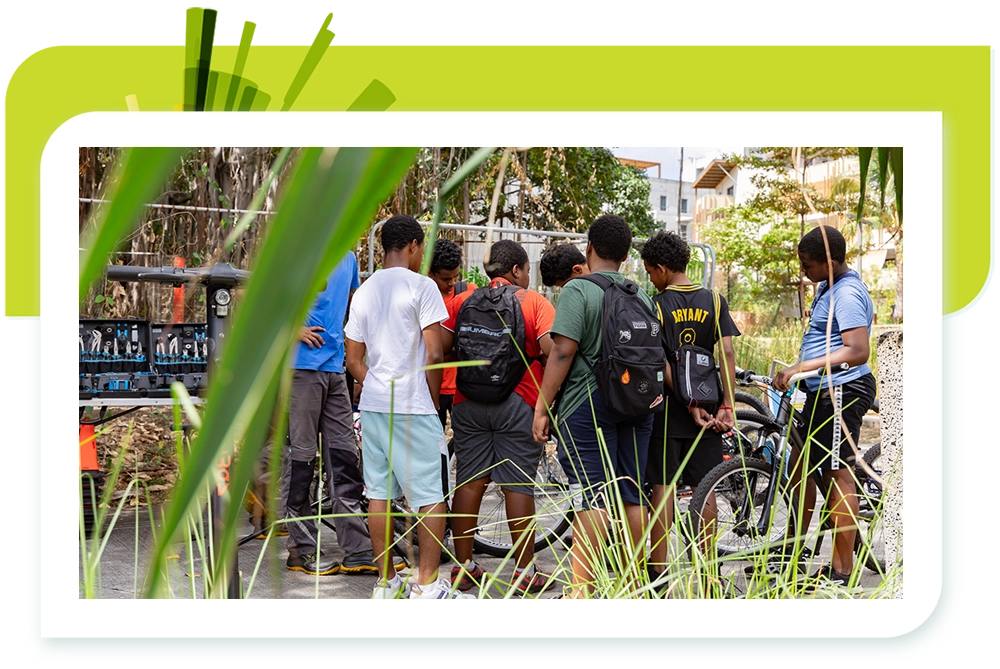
(402, 325)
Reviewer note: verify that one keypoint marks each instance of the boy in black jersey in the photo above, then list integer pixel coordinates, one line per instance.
(688, 316)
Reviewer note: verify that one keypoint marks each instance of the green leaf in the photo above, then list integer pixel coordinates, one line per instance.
(140, 175)
(864, 158)
(98, 299)
(883, 174)
(896, 159)
(329, 202)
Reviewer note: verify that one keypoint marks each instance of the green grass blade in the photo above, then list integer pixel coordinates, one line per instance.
(329, 202)
(139, 176)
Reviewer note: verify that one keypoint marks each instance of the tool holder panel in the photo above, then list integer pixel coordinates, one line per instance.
(118, 346)
(179, 348)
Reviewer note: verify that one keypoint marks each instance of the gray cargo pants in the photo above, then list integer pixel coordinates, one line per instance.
(321, 406)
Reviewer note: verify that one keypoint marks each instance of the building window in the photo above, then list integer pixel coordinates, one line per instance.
(663, 203)
(684, 205)
(729, 191)
(684, 232)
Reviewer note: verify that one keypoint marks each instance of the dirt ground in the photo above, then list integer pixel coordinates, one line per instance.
(148, 441)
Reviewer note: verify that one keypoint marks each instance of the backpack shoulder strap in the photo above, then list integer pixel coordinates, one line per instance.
(715, 302)
(601, 280)
(461, 287)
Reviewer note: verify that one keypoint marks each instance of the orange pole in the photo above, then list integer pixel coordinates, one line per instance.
(178, 295)
(88, 449)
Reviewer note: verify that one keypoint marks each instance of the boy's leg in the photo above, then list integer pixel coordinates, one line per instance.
(581, 457)
(418, 443)
(854, 398)
(843, 506)
(662, 518)
(474, 456)
(590, 531)
(465, 516)
(378, 524)
(430, 536)
(305, 406)
(661, 509)
(340, 455)
(630, 456)
(382, 486)
(516, 455)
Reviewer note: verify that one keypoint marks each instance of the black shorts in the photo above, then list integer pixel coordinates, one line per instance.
(829, 448)
(666, 456)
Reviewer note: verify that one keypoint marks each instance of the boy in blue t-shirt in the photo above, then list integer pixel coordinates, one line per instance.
(321, 405)
(834, 404)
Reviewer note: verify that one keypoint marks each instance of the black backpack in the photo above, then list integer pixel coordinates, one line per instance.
(631, 370)
(490, 326)
(696, 376)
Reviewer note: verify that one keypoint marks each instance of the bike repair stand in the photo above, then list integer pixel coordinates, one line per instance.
(219, 282)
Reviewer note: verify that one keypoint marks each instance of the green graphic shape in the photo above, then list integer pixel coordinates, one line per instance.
(57, 84)
(241, 61)
(313, 56)
(377, 97)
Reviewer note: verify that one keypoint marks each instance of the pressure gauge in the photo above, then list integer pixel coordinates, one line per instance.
(223, 297)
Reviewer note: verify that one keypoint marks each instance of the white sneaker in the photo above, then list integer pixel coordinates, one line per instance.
(440, 589)
(392, 589)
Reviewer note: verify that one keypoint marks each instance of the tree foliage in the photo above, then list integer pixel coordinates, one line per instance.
(548, 188)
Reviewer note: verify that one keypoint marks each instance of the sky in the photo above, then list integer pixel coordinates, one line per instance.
(669, 157)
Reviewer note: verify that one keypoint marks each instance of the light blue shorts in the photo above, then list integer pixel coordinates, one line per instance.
(409, 463)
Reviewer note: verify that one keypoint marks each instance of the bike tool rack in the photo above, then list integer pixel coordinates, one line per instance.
(219, 281)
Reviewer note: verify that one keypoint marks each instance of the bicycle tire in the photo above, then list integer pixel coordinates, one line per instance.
(739, 511)
(749, 403)
(553, 510)
(869, 543)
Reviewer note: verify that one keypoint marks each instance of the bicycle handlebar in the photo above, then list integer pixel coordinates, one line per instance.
(747, 375)
(221, 273)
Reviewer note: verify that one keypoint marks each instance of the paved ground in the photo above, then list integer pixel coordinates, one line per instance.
(264, 575)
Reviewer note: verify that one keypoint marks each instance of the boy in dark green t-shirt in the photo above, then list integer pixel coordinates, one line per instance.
(576, 334)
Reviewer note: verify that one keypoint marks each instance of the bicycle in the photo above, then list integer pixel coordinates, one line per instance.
(755, 505)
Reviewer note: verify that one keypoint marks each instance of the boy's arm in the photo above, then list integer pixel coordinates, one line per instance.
(854, 352)
(560, 360)
(354, 359)
(724, 417)
(435, 355)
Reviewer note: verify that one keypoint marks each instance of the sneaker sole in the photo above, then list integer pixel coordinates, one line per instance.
(329, 572)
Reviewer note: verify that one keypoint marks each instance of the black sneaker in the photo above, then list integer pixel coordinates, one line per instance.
(826, 576)
(364, 563)
(779, 559)
(312, 564)
(659, 580)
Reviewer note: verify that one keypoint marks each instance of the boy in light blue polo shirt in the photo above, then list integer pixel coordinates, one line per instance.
(835, 404)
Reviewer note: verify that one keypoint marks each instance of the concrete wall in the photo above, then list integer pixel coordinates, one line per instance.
(890, 375)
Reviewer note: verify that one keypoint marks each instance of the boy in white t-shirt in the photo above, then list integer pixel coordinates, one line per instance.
(393, 331)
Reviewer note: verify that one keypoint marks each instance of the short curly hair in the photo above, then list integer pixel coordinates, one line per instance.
(447, 256)
(399, 231)
(812, 244)
(504, 255)
(667, 249)
(611, 237)
(557, 261)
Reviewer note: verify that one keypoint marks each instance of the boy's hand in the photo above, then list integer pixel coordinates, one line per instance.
(540, 427)
(780, 380)
(701, 417)
(308, 336)
(724, 420)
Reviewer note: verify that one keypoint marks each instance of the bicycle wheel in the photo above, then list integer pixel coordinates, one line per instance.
(744, 401)
(553, 510)
(869, 543)
(740, 489)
